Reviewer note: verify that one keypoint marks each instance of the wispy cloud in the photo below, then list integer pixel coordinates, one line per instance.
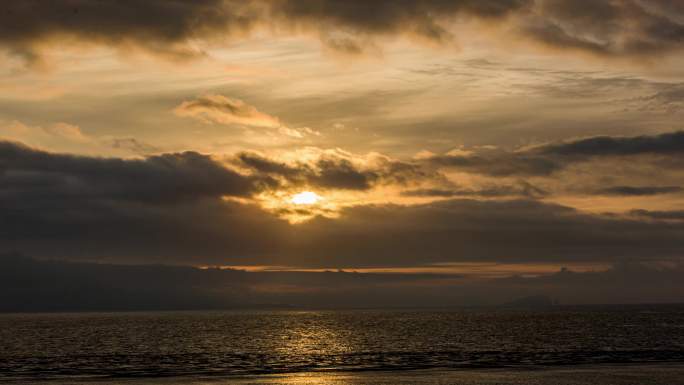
(227, 111)
(224, 110)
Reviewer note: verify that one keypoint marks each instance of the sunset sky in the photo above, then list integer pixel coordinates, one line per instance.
(483, 138)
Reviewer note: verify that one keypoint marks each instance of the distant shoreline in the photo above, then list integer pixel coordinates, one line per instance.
(286, 308)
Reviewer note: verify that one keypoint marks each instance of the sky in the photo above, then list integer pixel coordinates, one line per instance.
(452, 146)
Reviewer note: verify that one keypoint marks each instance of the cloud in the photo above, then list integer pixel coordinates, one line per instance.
(133, 145)
(498, 163)
(522, 189)
(155, 179)
(638, 190)
(70, 138)
(170, 28)
(58, 133)
(129, 209)
(671, 143)
(37, 285)
(190, 208)
(428, 19)
(659, 215)
(158, 26)
(337, 171)
(181, 30)
(550, 158)
(470, 230)
(608, 28)
(624, 282)
(224, 110)
(68, 131)
(668, 98)
(626, 28)
(227, 111)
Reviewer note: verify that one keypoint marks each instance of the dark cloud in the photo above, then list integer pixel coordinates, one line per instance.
(34, 285)
(544, 160)
(499, 163)
(638, 190)
(671, 143)
(341, 173)
(171, 208)
(163, 178)
(522, 189)
(265, 165)
(659, 215)
(624, 282)
(610, 28)
(435, 193)
(133, 145)
(163, 205)
(459, 230)
(168, 27)
(159, 26)
(325, 173)
(422, 17)
(334, 172)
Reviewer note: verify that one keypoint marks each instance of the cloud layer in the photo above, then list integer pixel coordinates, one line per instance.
(172, 28)
(156, 179)
(224, 110)
(337, 170)
(546, 159)
(190, 208)
(34, 285)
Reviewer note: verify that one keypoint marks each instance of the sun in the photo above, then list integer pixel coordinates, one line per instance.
(306, 198)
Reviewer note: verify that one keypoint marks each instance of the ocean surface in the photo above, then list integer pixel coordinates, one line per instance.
(232, 344)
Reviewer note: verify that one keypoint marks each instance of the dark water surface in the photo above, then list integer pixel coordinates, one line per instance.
(120, 345)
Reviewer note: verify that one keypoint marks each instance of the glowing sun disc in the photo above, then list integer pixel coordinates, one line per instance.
(305, 198)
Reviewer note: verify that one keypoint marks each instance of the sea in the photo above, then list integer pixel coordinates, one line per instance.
(213, 345)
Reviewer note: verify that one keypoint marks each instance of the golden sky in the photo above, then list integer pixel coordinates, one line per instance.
(314, 134)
